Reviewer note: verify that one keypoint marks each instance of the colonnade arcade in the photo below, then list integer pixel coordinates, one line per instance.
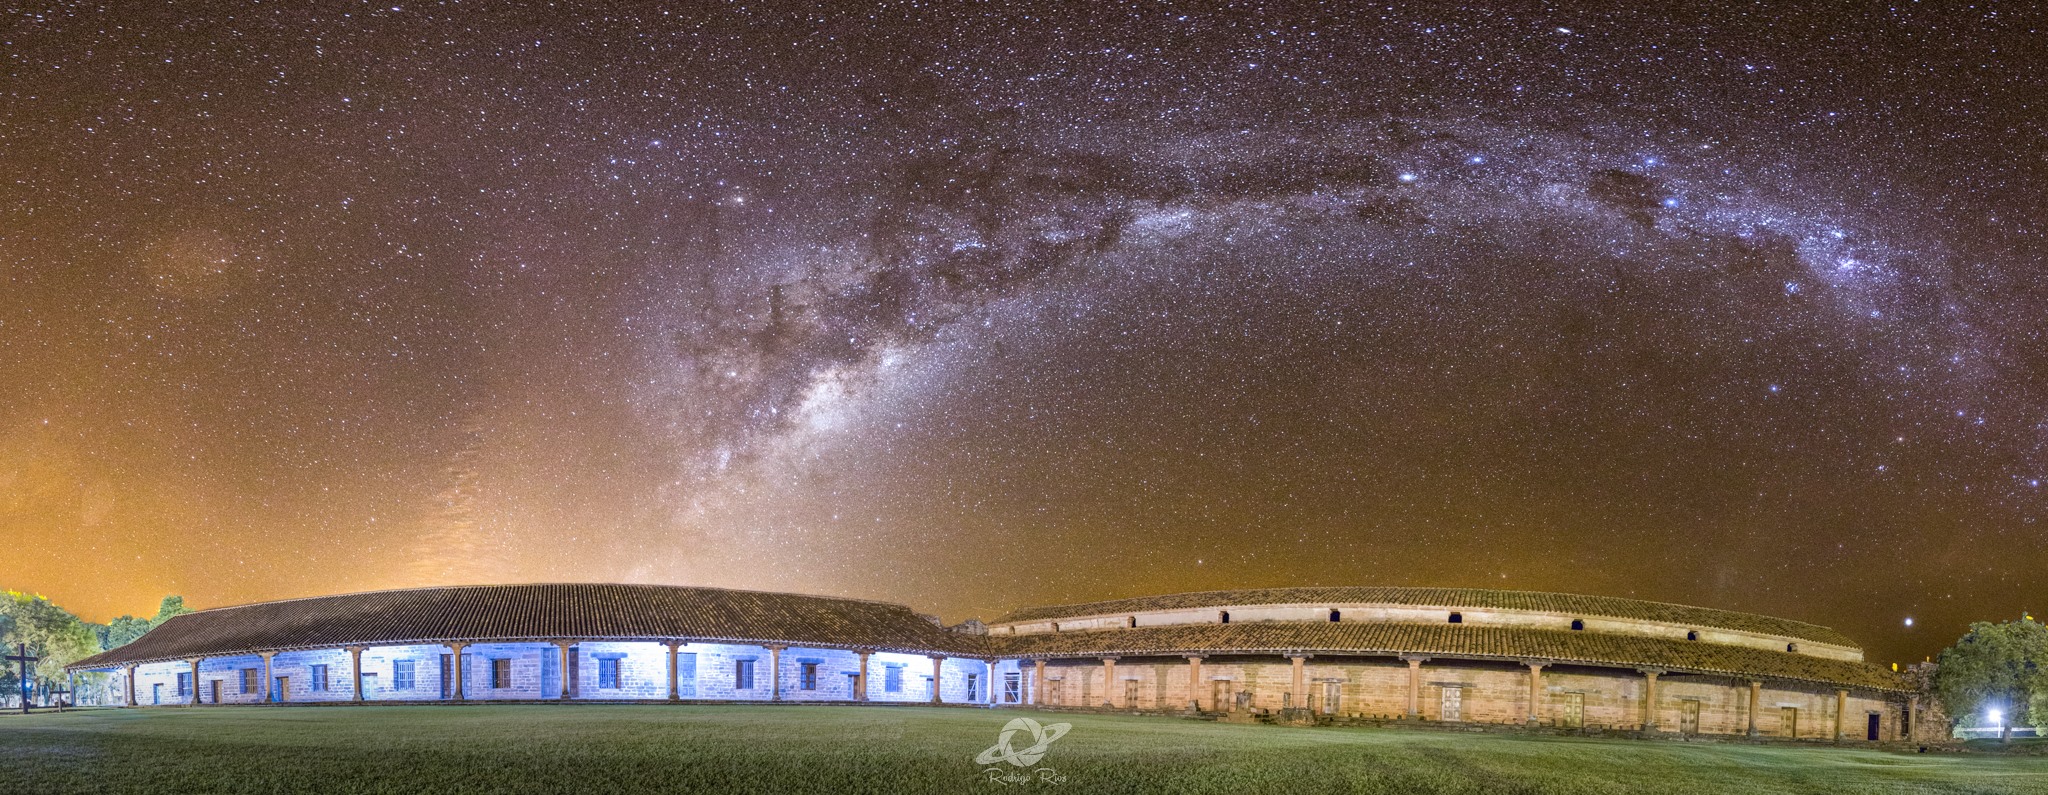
(570, 669)
(1533, 692)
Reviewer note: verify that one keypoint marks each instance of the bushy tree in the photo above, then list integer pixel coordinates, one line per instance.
(50, 632)
(123, 630)
(171, 606)
(2002, 666)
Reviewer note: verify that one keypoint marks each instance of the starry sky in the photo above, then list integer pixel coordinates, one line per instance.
(972, 308)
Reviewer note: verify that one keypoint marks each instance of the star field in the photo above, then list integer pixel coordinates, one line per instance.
(974, 308)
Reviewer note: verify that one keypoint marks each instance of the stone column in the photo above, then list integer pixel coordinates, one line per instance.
(1535, 693)
(1195, 683)
(1911, 714)
(860, 680)
(268, 682)
(195, 679)
(675, 690)
(355, 664)
(990, 672)
(774, 673)
(1756, 697)
(455, 659)
(1298, 696)
(1038, 682)
(568, 685)
(1650, 699)
(938, 664)
(1841, 710)
(128, 681)
(1109, 682)
(1415, 686)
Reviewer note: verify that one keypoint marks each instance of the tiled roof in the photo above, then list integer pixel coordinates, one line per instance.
(1449, 598)
(524, 612)
(654, 612)
(1450, 640)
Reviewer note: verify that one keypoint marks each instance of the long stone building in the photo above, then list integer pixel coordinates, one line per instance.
(1297, 655)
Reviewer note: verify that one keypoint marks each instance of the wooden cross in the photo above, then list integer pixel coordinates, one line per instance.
(22, 658)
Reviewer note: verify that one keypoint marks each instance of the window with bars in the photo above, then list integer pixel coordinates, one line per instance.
(316, 677)
(401, 675)
(742, 674)
(608, 672)
(892, 679)
(501, 673)
(251, 680)
(808, 679)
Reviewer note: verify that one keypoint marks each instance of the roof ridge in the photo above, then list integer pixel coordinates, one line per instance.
(1411, 588)
(545, 584)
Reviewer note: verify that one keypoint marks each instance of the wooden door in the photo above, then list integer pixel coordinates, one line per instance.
(1130, 694)
(1688, 717)
(1788, 721)
(1574, 710)
(214, 685)
(1331, 692)
(1454, 704)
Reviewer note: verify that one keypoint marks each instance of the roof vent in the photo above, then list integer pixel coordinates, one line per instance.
(1578, 624)
(1457, 618)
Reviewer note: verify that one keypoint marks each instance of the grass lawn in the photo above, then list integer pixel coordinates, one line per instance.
(602, 749)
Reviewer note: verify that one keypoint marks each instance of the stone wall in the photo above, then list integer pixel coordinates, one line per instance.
(642, 670)
(1487, 693)
(298, 670)
(222, 677)
(383, 661)
(157, 683)
(1336, 688)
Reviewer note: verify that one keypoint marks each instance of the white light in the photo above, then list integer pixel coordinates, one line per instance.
(1408, 177)
(1996, 716)
(1909, 621)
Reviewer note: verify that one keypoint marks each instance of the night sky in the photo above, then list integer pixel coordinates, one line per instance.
(1029, 304)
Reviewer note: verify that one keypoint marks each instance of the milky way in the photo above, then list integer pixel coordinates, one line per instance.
(1027, 304)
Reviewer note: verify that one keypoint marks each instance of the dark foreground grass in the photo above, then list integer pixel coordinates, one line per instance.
(602, 749)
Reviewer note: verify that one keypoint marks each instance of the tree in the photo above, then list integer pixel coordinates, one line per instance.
(172, 606)
(60, 638)
(123, 630)
(50, 632)
(2002, 667)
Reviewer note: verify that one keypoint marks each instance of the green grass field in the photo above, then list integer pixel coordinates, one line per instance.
(602, 749)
